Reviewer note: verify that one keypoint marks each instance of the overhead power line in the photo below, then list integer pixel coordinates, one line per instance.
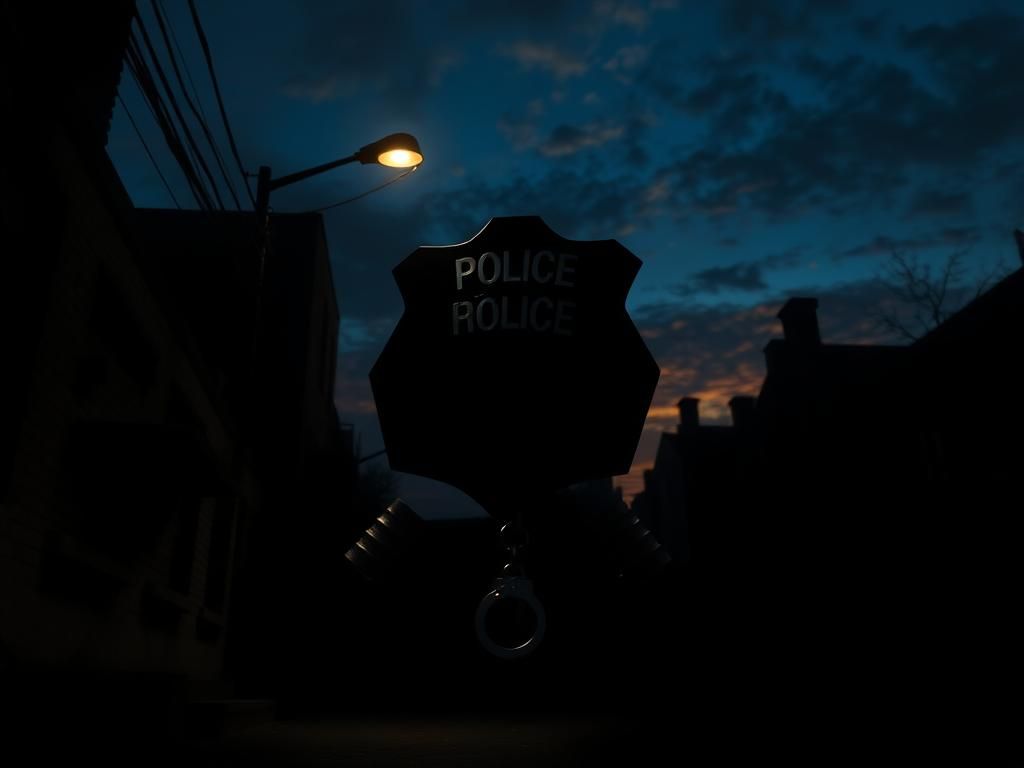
(220, 102)
(165, 25)
(361, 195)
(177, 111)
(144, 80)
(145, 146)
(157, 119)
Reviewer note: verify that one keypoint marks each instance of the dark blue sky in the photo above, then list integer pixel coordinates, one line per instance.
(745, 151)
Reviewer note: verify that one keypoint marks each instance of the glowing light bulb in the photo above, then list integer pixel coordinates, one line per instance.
(400, 158)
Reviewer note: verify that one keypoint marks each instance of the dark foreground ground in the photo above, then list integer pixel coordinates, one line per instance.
(734, 724)
(584, 740)
(524, 740)
(466, 740)
(739, 687)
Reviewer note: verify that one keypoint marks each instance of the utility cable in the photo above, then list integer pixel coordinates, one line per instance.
(205, 122)
(379, 187)
(145, 146)
(144, 80)
(220, 102)
(177, 111)
(200, 118)
(156, 119)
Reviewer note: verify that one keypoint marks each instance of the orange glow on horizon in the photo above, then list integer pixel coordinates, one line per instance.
(633, 482)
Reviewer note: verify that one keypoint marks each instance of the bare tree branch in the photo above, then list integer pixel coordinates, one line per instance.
(993, 276)
(926, 299)
(890, 323)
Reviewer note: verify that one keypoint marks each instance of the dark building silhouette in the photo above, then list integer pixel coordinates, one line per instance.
(174, 478)
(969, 530)
(121, 495)
(304, 456)
(683, 491)
(281, 400)
(866, 500)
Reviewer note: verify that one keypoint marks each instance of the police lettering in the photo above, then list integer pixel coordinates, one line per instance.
(538, 314)
(510, 313)
(542, 267)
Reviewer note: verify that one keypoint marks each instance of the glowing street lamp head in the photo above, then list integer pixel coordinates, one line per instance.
(400, 158)
(399, 150)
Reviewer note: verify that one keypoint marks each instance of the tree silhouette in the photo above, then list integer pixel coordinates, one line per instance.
(926, 296)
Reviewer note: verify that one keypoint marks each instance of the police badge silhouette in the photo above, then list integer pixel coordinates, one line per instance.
(515, 367)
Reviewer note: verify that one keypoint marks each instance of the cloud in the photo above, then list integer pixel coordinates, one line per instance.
(339, 53)
(777, 21)
(870, 27)
(571, 201)
(744, 276)
(570, 139)
(520, 132)
(624, 14)
(732, 103)
(985, 44)
(657, 191)
(440, 64)
(865, 144)
(583, 195)
(977, 62)
(566, 139)
(723, 90)
(932, 201)
(885, 245)
(549, 57)
(625, 61)
(471, 18)
(861, 130)
(313, 91)
(391, 50)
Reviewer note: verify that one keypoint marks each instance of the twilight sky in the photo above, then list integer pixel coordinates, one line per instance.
(745, 151)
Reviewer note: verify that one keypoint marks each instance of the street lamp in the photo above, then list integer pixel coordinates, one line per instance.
(399, 150)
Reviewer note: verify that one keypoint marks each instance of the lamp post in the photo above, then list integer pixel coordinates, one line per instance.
(399, 150)
(253, 448)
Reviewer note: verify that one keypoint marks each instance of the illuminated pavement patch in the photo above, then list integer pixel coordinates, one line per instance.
(425, 742)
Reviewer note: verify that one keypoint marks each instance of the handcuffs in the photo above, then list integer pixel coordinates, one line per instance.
(512, 585)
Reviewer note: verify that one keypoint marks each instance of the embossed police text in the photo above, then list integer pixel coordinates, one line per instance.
(527, 312)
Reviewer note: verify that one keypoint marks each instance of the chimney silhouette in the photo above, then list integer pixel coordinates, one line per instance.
(1019, 237)
(799, 318)
(742, 407)
(689, 416)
